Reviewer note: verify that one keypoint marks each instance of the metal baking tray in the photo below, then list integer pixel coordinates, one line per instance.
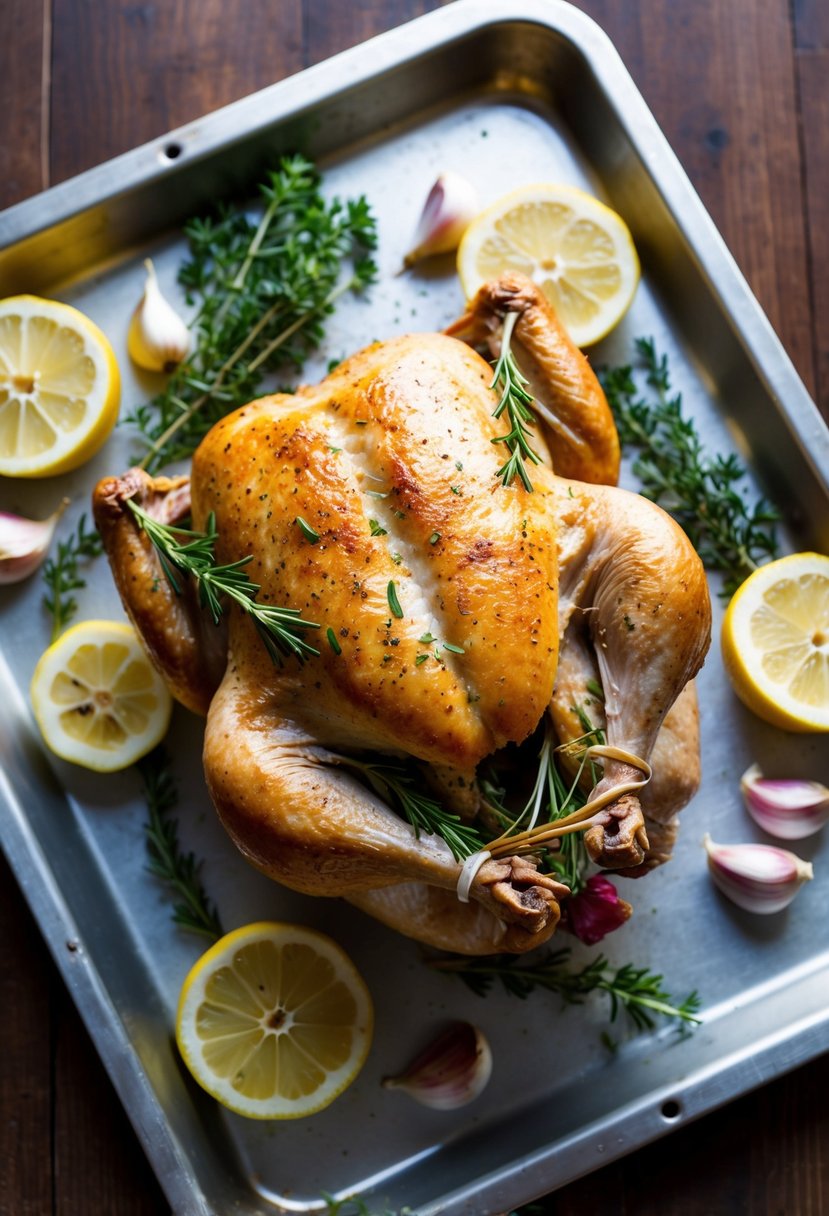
(504, 91)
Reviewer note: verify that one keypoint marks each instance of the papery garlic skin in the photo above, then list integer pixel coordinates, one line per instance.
(450, 1072)
(757, 877)
(450, 207)
(158, 340)
(790, 809)
(24, 543)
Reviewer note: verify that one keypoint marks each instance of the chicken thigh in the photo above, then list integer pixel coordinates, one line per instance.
(436, 592)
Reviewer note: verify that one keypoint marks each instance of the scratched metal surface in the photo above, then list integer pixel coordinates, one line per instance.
(384, 120)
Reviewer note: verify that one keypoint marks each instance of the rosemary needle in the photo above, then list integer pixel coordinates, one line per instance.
(516, 401)
(280, 628)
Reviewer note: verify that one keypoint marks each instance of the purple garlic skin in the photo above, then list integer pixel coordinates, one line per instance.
(756, 877)
(450, 1072)
(789, 808)
(450, 207)
(24, 543)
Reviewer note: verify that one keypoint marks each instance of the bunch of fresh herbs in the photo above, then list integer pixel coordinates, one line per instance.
(262, 291)
(703, 493)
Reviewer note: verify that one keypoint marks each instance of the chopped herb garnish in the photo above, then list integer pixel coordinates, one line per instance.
(376, 529)
(455, 649)
(332, 641)
(427, 638)
(394, 602)
(455, 489)
(396, 558)
(307, 531)
(434, 538)
(421, 658)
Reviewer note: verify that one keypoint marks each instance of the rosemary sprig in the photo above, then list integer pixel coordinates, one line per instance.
(636, 991)
(263, 291)
(166, 859)
(280, 628)
(61, 575)
(701, 492)
(516, 401)
(395, 786)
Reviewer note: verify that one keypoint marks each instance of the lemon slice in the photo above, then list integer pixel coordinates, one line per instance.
(98, 700)
(59, 387)
(274, 1021)
(775, 642)
(577, 250)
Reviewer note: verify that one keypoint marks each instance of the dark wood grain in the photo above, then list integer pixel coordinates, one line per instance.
(24, 85)
(742, 91)
(720, 78)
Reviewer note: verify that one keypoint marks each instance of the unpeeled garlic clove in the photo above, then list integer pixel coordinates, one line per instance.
(756, 877)
(787, 808)
(24, 543)
(158, 340)
(450, 1072)
(450, 207)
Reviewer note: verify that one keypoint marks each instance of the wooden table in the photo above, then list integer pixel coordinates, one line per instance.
(741, 87)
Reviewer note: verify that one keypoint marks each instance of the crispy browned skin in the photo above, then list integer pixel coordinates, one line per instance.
(569, 400)
(185, 645)
(401, 434)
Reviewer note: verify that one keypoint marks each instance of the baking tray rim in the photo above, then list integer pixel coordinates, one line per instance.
(704, 1089)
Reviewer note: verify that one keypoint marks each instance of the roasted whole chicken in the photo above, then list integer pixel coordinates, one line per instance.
(524, 596)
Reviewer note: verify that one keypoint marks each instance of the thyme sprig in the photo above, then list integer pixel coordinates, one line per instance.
(701, 492)
(636, 991)
(516, 401)
(167, 861)
(61, 574)
(280, 628)
(395, 785)
(262, 290)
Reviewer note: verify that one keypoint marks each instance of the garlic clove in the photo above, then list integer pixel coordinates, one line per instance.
(158, 340)
(787, 808)
(757, 877)
(450, 207)
(24, 543)
(450, 1072)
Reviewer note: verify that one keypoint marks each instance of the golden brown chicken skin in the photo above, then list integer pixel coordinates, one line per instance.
(440, 589)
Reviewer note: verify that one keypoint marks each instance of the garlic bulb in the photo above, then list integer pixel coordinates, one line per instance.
(756, 877)
(450, 1072)
(24, 543)
(450, 207)
(158, 340)
(787, 808)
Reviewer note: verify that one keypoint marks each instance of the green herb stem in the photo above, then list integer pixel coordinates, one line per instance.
(516, 401)
(167, 861)
(280, 628)
(61, 575)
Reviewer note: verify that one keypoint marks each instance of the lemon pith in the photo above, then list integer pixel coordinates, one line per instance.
(97, 698)
(274, 1021)
(59, 387)
(775, 642)
(575, 248)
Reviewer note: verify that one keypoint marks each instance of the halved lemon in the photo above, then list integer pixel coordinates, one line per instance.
(578, 251)
(274, 1021)
(775, 642)
(98, 700)
(59, 387)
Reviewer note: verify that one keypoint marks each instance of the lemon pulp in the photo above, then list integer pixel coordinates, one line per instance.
(274, 1021)
(577, 250)
(97, 698)
(59, 387)
(776, 642)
